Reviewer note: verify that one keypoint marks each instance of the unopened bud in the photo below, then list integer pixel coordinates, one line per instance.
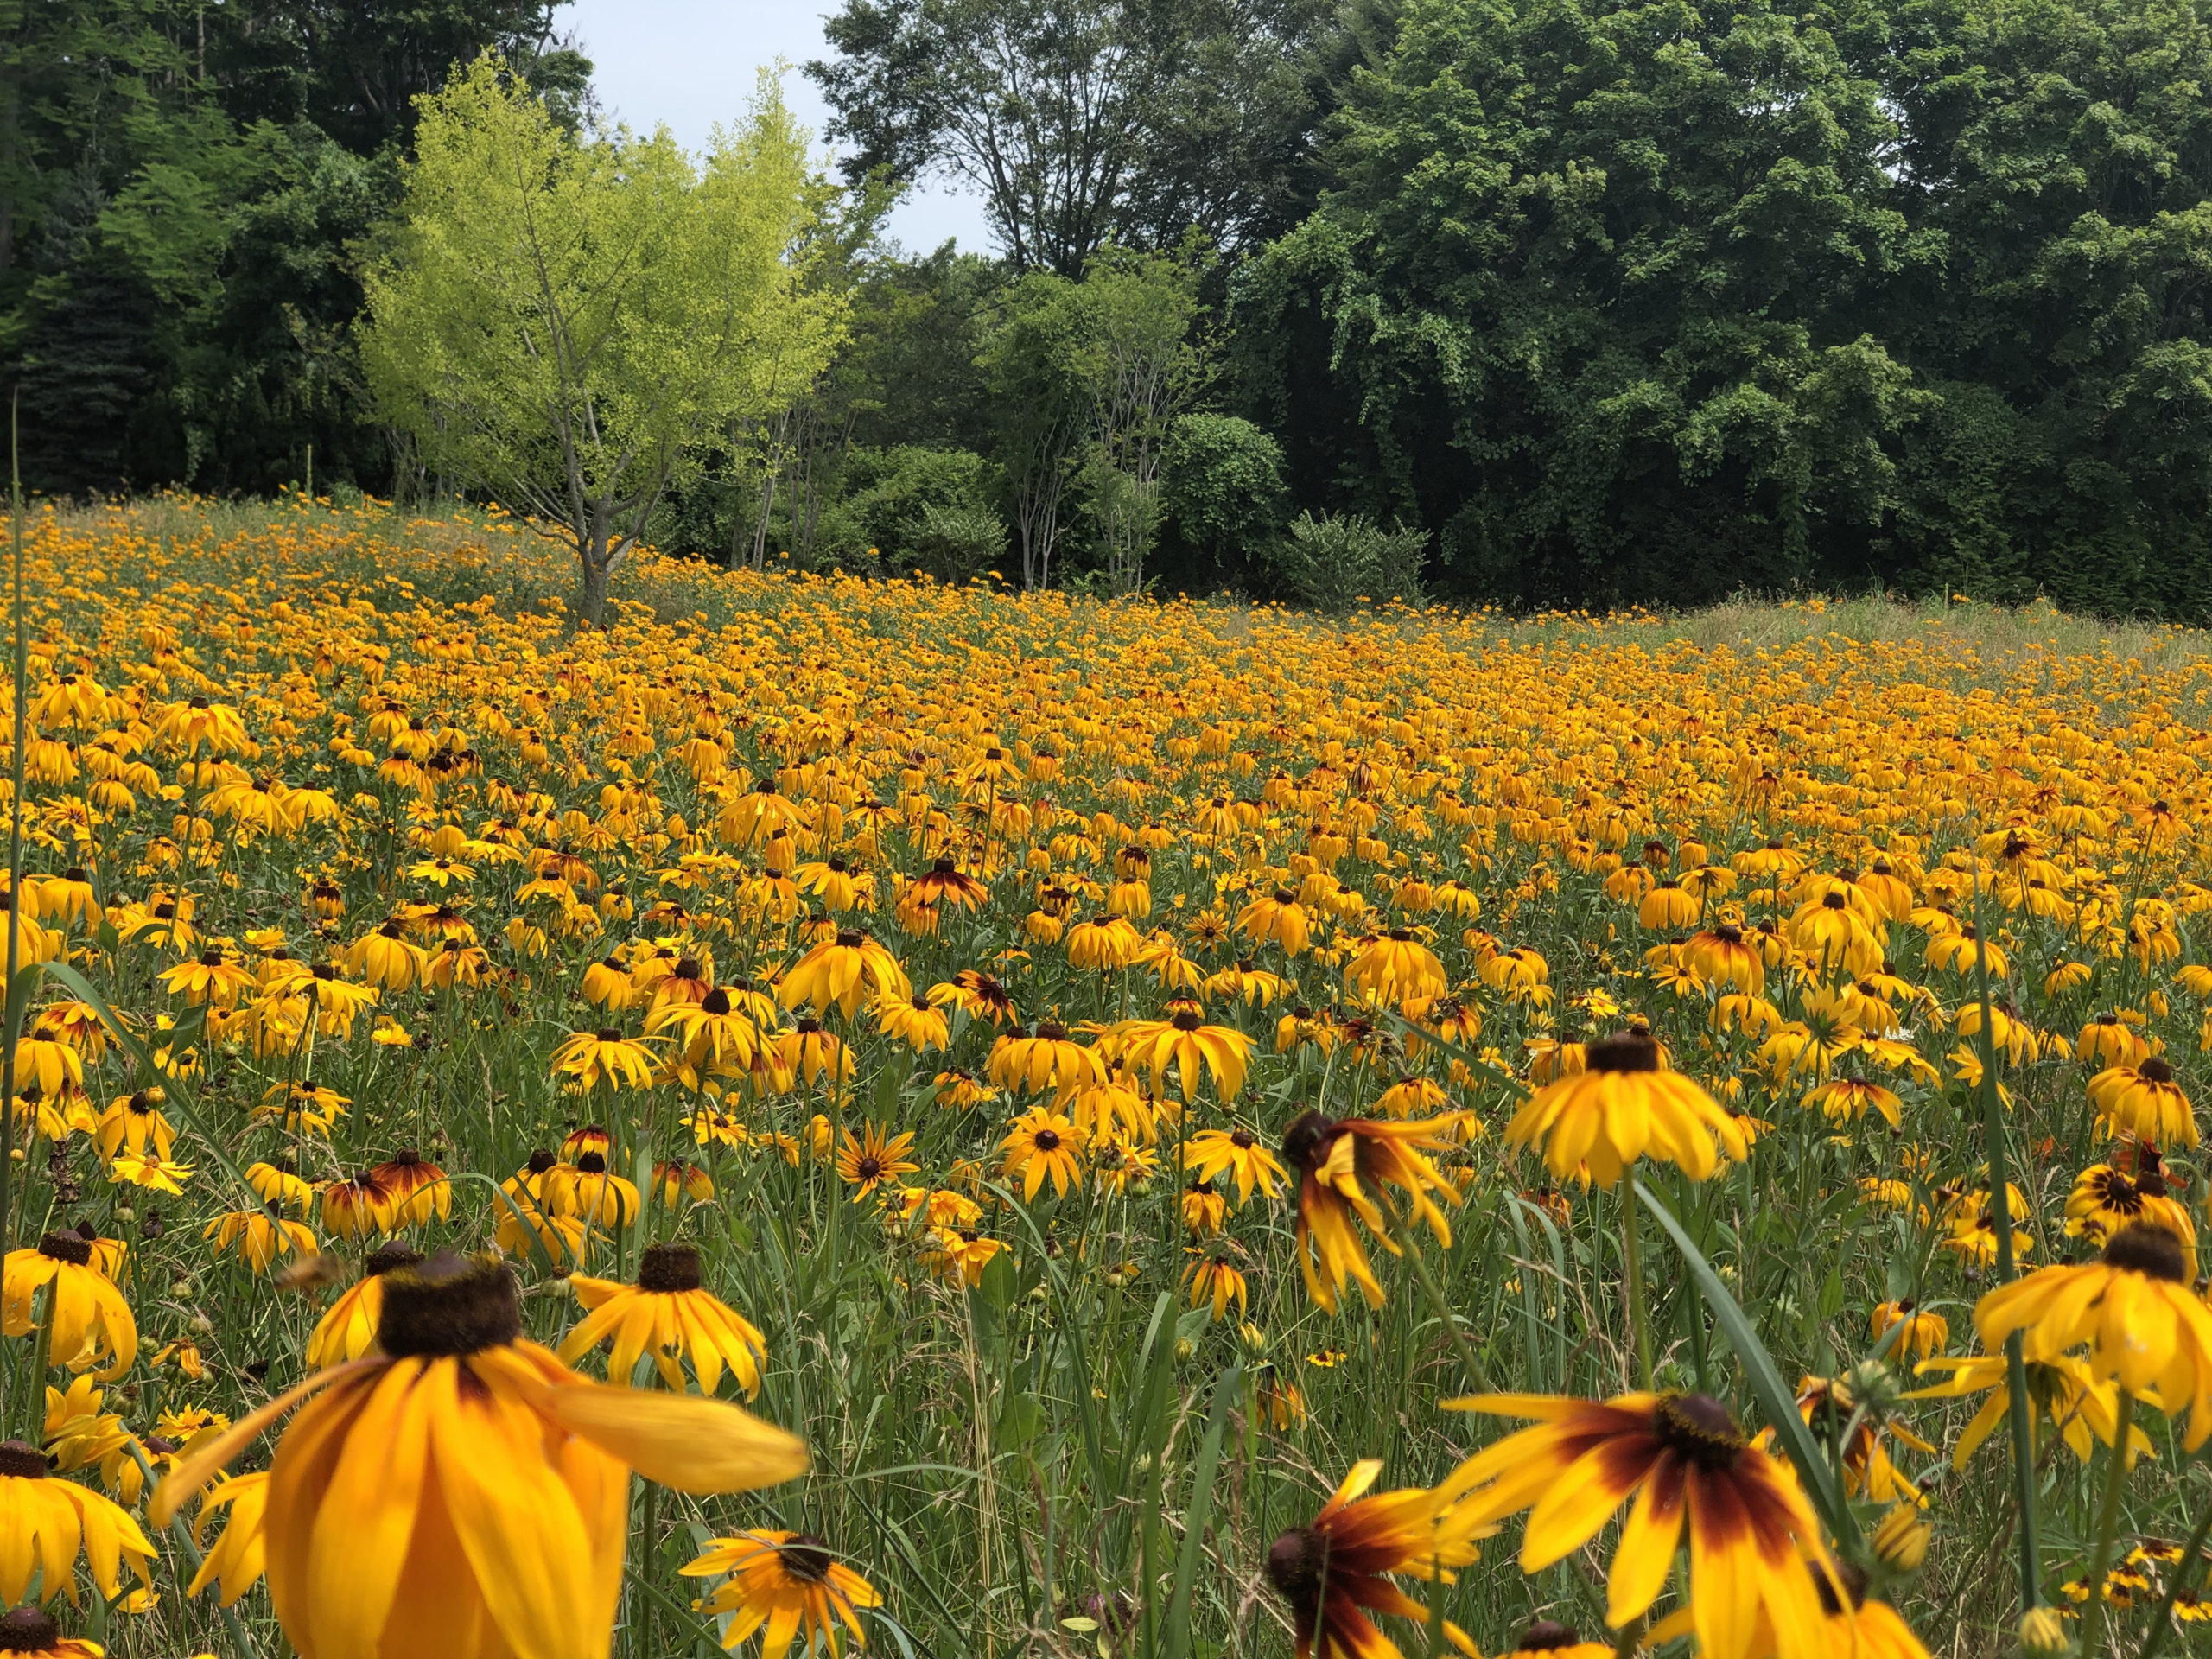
(1184, 1349)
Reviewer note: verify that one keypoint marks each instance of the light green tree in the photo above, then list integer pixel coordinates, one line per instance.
(561, 319)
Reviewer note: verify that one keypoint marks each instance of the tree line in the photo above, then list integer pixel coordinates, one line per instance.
(1534, 301)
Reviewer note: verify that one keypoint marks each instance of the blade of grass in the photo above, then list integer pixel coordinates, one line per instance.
(1195, 1518)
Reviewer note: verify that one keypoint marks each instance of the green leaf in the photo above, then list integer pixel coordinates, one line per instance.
(1777, 1399)
(1178, 1641)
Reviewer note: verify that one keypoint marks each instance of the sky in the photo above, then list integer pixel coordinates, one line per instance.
(690, 63)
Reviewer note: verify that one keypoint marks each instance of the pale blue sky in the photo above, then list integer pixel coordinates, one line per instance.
(690, 63)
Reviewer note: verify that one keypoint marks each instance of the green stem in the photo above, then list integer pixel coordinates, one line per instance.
(1632, 1254)
(2093, 1616)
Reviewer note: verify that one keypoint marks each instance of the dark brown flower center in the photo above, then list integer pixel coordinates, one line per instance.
(28, 1629)
(541, 1161)
(668, 1269)
(389, 1258)
(805, 1556)
(1297, 1562)
(1625, 1051)
(1546, 1635)
(1183, 1019)
(1052, 1032)
(1048, 1139)
(686, 968)
(591, 1163)
(1698, 1427)
(715, 1001)
(66, 1247)
(608, 1034)
(1305, 1141)
(448, 1304)
(21, 1462)
(2155, 1070)
(850, 938)
(2146, 1248)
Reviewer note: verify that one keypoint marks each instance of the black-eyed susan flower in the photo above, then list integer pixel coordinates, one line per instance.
(1692, 1471)
(1043, 1145)
(257, 1238)
(1847, 1099)
(357, 1206)
(867, 1159)
(806, 1053)
(913, 1022)
(1335, 1571)
(1624, 1106)
(1194, 1048)
(2144, 1101)
(48, 1523)
(1212, 1275)
(1237, 1154)
(607, 985)
(1104, 943)
(135, 1123)
(712, 1035)
(2106, 1198)
(465, 1478)
(677, 1183)
(1346, 1167)
(843, 972)
(2135, 1310)
(604, 1055)
(977, 995)
(959, 1253)
(1395, 967)
(1919, 1331)
(154, 1174)
(1283, 1404)
(419, 1190)
(1047, 1058)
(668, 1316)
(91, 1321)
(1277, 919)
(591, 1193)
(786, 1587)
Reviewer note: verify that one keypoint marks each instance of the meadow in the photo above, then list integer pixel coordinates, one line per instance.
(1137, 1103)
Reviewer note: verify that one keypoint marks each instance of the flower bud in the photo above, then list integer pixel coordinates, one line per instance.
(1901, 1542)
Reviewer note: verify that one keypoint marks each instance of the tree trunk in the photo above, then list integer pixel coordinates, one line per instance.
(591, 610)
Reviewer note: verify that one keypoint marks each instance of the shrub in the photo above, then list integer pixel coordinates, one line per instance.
(1331, 563)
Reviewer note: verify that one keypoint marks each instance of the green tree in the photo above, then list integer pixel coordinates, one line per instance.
(1601, 295)
(1224, 499)
(1143, 368)
(563, 320)
(2058, 154)
(1034, 365)
(1082, 123)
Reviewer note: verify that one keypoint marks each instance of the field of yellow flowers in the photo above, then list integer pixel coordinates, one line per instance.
(1037, 1128)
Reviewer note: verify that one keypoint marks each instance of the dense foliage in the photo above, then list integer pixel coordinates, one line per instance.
(1606, 300)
